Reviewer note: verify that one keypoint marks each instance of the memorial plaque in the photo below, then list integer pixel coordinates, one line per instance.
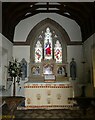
(49, 78)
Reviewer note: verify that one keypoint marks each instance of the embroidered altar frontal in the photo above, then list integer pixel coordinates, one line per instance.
(48, 95)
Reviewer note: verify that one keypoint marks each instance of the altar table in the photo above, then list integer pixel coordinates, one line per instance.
(48, 95)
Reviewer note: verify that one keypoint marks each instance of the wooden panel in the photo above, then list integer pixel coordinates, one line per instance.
(94, 65)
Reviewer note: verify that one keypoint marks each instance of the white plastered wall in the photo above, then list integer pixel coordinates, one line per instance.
(20, 52)
(88, 54)
(88, 51)
(76, 53)
(24, 27)
(6, 55)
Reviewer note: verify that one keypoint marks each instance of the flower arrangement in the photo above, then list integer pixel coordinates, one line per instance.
(14, 70)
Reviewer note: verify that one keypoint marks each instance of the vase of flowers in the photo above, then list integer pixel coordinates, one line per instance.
(15, 71)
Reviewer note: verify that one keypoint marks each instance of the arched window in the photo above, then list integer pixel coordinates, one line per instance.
(48, 46)
(38, 52)
(58, 52)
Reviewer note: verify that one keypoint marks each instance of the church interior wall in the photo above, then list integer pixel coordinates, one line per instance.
(73, 51)
(21, 52)
(0, 58)
(7, 52)
(88, 54)
(94, 62)
(89, 65)
(24, 27)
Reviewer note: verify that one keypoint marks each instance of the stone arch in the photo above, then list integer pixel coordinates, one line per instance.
(33, 32)
(65, 40)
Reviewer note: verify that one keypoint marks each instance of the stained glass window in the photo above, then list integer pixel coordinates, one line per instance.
(44, 46)
(48, 44)
(58, 52)
(38, 52)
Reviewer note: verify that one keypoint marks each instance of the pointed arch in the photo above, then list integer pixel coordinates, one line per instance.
(43, 23)
(58, 32)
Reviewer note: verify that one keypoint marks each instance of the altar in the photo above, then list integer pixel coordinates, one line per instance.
(48, 86)
(48, 95)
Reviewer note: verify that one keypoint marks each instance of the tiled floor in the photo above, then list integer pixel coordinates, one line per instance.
(54, 114)
(51, 114)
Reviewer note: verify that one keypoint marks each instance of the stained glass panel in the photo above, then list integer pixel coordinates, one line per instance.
(38, 52)
(48, 44)
(58, 52)
(45, 49)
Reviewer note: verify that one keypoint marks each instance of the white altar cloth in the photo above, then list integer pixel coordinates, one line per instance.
(48, 95)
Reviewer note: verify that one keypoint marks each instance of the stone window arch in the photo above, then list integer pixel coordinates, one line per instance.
(58, 34)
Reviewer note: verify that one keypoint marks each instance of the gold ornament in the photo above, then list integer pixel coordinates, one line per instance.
(28, 100)
(38, 96)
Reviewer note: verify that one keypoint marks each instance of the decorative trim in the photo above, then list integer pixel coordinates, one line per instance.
(75, 43)
(50, 106)
(28, 44)
(46, 107)
(21, 43)
(47, 86)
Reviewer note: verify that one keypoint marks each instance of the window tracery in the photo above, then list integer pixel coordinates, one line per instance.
(38, 52)
(44, 48)
(58, 52)
(48, 44)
